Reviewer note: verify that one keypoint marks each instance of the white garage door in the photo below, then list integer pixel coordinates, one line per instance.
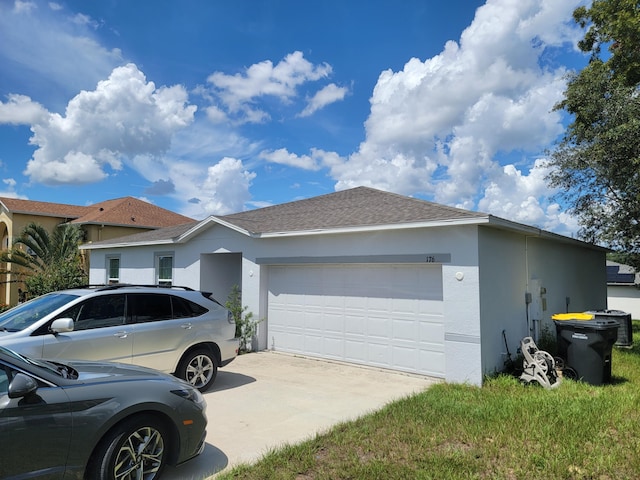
(388, 316)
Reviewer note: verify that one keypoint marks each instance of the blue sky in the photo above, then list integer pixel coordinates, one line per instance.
(207, 107)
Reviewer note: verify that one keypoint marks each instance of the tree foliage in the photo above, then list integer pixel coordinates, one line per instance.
(596, 165)
(45, 261)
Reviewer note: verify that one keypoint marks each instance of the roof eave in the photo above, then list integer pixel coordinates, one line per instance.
(372, 228)
(98, 223)
(538, 232)
(43, 214)
(148, 243)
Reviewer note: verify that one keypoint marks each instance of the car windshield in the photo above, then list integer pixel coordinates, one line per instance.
(26, 314)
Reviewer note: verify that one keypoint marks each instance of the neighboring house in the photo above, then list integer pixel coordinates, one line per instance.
(101, 221)
(374, 278)
(623, 291)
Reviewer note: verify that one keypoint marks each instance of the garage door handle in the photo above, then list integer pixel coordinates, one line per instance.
(187, 326)
(121, 334)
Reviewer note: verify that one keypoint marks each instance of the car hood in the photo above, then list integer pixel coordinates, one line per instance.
(97, 372)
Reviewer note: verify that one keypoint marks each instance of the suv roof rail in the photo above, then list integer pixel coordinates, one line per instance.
(115, 286)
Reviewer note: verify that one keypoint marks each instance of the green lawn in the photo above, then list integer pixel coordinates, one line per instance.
(503, 430)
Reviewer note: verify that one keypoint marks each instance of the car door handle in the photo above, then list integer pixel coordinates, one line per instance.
(123, 334)
(187, 326)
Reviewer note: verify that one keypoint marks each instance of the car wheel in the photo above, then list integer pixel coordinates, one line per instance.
(137, 448)
(199, 368)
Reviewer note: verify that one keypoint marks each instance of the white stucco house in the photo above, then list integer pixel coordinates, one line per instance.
(374, 278)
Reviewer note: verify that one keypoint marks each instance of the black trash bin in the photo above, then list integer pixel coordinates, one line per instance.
(625, 332)
(585, 343)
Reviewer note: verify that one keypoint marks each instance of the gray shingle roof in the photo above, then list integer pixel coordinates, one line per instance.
(357, 207)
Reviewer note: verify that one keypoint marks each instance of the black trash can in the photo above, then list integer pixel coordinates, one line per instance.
(625, 332)
(585, 343)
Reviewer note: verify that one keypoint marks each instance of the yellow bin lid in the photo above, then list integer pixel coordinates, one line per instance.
(573, 316)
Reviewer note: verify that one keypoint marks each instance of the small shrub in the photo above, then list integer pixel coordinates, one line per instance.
(548, 340)
(246, 326)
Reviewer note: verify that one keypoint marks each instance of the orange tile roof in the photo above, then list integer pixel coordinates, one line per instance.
(31, 207)
(132, 212)
(125, 211)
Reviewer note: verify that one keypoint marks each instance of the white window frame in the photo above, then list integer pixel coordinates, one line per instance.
(159, 256)
(109, 279)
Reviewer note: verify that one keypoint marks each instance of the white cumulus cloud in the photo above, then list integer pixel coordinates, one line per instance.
(443, 126)
(239, 93)
(326, 96)
(123, 117)
(226, 188)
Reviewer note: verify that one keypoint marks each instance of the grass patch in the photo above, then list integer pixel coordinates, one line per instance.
(503, 430)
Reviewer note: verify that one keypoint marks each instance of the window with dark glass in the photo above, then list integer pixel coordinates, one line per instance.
(97, 312)
(149, 307)
(183, 308)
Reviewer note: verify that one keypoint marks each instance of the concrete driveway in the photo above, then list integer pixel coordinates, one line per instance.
(265, 400)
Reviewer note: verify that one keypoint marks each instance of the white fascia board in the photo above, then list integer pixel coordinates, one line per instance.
(538, 232)
(376, 228)
(90, 246)
(205, 224)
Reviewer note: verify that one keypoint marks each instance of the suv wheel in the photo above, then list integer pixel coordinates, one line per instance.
(199, 368)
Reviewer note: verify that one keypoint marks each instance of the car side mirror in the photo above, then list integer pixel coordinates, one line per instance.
(62, 325)
(22, 385)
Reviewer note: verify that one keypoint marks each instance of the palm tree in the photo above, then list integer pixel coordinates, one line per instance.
(46, 262)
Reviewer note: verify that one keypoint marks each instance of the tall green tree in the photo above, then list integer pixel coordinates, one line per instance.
(596, 166)
(45, 261)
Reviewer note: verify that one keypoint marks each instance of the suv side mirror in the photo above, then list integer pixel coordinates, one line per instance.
(22, 385)
(62, 325)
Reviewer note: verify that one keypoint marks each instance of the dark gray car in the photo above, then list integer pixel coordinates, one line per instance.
(92, 420)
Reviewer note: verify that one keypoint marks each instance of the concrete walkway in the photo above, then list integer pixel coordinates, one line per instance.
(265, 400)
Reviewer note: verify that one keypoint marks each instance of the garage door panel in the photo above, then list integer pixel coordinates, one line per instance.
(404, 330)
(313, 344)
(428, 330)
(431, 361)
(383, 315)
(405, 357)
(378, 327)
(355, 351)
(379, 354)
(354, 325)
(333, 324)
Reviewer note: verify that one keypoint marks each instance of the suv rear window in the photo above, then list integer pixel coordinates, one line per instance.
(183, 308)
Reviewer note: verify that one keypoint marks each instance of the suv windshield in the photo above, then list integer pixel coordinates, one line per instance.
(26, 314)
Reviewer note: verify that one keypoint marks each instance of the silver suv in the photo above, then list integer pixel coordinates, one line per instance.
(172, 329)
